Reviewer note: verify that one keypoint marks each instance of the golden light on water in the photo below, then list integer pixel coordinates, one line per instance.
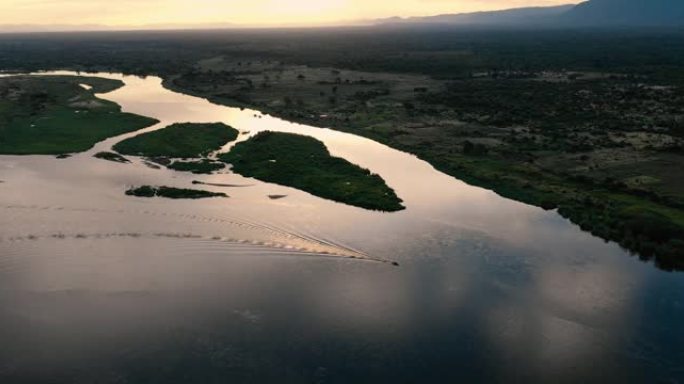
(141, 13)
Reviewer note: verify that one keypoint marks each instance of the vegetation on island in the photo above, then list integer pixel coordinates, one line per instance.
(185, 140)
(190, 141)
(304, 163)
(203, 166)
(111, 156)
(54, 115)
(172, 193)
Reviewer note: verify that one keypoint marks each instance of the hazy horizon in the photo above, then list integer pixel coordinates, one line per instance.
(49, 15)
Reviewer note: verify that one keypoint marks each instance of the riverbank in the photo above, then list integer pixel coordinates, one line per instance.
(590, 173)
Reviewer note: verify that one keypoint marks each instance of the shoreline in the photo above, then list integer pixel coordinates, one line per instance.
(601, 211)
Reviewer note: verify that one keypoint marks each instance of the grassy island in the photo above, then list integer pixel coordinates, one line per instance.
(204, 166)
(185, 140)
(305, 163)
(172, 193)
(110, 156)
(52, 115)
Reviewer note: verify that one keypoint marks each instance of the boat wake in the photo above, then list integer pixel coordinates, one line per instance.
(231, 232)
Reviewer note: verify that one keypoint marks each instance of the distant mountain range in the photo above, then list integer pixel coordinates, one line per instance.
(627, 12)
(508, 16)
(589, 13)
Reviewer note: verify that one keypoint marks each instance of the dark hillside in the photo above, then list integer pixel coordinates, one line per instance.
(628, 13)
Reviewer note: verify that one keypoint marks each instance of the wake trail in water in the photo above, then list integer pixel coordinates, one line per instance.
(251, 246)
(243, 223)
(253, 233)
(305, 236)
(319, 238)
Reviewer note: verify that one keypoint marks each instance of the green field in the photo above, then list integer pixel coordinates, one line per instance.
(51, 115)
(305, 163)
(186, 140)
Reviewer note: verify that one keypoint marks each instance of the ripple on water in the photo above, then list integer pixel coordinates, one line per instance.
(219, 229)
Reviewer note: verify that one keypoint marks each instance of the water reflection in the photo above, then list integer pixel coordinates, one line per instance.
(488, 289)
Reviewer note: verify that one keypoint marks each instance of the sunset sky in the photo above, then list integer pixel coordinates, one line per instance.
(139, 13)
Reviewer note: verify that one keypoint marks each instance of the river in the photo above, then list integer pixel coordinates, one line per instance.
(100, 287)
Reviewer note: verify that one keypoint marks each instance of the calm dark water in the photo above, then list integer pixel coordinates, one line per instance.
(97, 287)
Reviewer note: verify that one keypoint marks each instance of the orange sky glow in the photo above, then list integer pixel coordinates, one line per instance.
(142, 13)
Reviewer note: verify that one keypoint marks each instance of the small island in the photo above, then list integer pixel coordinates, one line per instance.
(172, 193)
(304, 163)
(184, 141)
(111, 156)
(198, 167)
(57, 115)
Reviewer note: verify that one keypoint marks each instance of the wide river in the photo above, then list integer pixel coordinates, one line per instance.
(99, 287)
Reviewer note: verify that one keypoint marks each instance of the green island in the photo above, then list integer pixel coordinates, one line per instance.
(184, 140)
(304, 163)
(55, 115)
(203, 166)
(111, 156)
(172, 193)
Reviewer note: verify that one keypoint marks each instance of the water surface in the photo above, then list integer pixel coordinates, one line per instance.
(99, 287)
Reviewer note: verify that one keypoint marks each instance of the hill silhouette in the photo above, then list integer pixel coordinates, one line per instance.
(513, 16)
(627, 12)
(592, 13)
